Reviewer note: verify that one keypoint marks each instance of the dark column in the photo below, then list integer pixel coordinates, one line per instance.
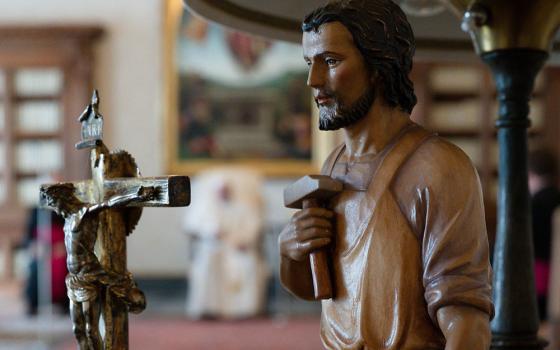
(516, 322)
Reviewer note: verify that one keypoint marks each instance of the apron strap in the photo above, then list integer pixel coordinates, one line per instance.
(401, 149)
(400, 152)
(331, 161)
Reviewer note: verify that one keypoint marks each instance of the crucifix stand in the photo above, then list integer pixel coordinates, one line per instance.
(99, 214)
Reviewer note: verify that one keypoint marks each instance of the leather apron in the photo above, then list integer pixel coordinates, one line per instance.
(377, 265)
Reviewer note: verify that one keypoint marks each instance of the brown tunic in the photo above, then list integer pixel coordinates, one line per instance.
(411, 238)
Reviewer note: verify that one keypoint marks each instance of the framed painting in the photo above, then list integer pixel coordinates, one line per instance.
(233, 98)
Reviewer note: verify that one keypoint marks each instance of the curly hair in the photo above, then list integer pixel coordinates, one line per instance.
(61, 193)
(382, 34)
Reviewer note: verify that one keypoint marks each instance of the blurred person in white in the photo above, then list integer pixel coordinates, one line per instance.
(227, 273)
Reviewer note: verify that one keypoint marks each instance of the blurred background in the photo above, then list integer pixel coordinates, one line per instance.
(190, 97)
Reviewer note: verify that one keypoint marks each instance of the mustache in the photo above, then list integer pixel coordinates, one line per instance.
(323, 94)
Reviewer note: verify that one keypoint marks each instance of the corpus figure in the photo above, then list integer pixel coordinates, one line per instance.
(86, 279)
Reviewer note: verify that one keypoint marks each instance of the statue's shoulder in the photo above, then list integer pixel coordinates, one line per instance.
(439, 160)
(438, 172)
(441, 150)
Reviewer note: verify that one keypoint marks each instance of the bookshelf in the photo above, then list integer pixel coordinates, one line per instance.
(458, 101)
(45, 80)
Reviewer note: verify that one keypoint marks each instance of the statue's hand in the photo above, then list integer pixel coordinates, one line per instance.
(148, 193)
(309, 230)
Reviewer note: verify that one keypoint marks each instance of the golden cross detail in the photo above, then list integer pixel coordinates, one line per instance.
(99, 214)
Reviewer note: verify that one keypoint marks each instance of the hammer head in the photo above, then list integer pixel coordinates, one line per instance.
(320, 187)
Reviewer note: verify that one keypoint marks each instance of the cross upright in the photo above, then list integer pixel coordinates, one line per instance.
(99, 214)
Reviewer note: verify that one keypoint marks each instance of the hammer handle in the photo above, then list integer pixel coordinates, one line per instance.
(322, 287)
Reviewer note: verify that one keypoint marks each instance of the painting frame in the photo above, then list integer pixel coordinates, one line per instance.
(321, 142)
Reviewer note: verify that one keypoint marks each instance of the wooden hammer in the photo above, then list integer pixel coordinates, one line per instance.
(309, 192)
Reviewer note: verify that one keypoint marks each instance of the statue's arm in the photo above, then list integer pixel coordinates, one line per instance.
(121, 200)
(115, 201)
(308, 230)
(143, 194)
(77, 218)
(457, 276)
(296, 277)
(464, 327)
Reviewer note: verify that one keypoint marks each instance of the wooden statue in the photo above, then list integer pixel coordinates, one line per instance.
(105, 210)
(405, 239)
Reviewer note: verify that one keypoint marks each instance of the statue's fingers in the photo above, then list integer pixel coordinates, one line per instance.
(305, 248)
(319, 222)
(314, 233)
(314, 212)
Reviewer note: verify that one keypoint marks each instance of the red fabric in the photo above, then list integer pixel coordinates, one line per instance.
(58, 263)
(58, 273)
(542, 276)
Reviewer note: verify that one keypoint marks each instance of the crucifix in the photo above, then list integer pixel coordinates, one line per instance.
(99, 214)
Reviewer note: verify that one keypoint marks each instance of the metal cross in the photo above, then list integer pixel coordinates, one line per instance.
(99, 214)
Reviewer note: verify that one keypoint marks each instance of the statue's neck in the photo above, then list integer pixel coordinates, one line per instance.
(371, 134)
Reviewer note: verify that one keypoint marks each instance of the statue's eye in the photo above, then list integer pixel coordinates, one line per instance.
(331, 61)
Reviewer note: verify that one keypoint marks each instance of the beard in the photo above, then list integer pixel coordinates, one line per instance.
(337, 115)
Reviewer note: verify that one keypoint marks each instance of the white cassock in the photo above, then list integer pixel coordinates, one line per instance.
(228, 273)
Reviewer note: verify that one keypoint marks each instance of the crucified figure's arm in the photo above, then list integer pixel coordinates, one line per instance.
(143, 194)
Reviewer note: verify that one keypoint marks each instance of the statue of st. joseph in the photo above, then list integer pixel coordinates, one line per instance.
(406, 238)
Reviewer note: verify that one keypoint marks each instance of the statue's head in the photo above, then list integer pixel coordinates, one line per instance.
(376, 31)
(58, 197)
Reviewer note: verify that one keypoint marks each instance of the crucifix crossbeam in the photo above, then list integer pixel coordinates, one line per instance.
(173, 191)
